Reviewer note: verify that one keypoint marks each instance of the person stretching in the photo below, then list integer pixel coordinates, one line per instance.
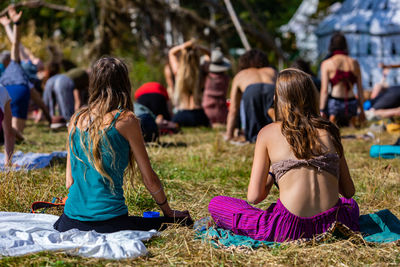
(305, 155)
(104, 139)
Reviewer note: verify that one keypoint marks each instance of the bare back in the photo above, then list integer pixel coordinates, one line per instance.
(304, 190)
(341, 63)
(253, 75)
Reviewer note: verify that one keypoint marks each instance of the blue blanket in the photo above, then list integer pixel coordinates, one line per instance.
(29, 161)
(384, 151)
(379, 227)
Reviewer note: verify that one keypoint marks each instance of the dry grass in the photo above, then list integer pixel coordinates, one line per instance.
(192, 175)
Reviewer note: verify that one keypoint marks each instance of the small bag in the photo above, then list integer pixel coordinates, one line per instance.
(56, 202)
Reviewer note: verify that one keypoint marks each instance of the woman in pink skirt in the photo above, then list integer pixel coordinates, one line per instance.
(301, 153)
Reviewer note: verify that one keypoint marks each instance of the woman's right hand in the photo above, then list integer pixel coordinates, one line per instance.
(178, 214)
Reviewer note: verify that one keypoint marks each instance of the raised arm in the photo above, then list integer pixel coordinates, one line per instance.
(5, 21)
(130, 129)
(15, 18)
(324, 89)
(234, 107)
(173, 55)
(260, 182)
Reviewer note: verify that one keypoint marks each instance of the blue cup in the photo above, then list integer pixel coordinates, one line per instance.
(151, 214)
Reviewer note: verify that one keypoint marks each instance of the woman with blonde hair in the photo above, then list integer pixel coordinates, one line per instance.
(105, 140)
(188, 85)
(304, 155)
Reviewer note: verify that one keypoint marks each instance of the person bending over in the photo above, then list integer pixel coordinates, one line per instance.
(18, 85)
(104, 140)
(252, 93)
(342, 72)
(305, 155)
(58, 91)
(5, 124)
(17, 76)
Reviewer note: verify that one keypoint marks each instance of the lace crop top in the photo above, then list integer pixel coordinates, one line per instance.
(328, 162)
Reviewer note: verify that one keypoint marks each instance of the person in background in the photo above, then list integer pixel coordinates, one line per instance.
(105, 141)
(302, 154)
(155, 97)
(5, 124)
(342, 72)
(185, 64)
(305, 66)
(80, 77)
(15, 79)
(58, 92)
(215, 88)
(252, 93)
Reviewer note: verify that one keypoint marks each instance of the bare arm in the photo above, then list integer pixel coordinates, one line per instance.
(6, 24)
(35, 96)
(260, 182)
(324, 87)
(131, 130)
(393, 66)
(9, 134)
(173, 57)
(346, 185)
(15, 17)
(77, 99)
(360, 91)
(234, 107)
(69, 180)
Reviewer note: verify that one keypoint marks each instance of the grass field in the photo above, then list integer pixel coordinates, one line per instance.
(194, 173)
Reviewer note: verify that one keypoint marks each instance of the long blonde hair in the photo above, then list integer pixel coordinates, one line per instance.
(109, 89)
(187, 83)
(297, 106)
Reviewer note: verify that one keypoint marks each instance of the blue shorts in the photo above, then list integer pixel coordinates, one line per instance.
(20, 96)
(341, 107)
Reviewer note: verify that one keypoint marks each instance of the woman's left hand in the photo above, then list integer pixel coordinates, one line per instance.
(14, 16)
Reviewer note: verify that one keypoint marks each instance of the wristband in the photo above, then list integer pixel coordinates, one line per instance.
(17, 22)
(163, 203)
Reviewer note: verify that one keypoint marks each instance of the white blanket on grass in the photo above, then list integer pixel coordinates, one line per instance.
(30, 160)
(24, 233)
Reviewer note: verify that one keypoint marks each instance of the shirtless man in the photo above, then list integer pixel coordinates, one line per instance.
(252, 93)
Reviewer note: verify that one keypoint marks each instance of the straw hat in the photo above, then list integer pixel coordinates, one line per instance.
(218, 62)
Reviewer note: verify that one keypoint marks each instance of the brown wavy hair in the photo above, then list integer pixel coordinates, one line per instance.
(253, 58)
(109, 90)
(297, 107)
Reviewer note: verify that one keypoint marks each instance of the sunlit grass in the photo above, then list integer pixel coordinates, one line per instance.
(192, 175)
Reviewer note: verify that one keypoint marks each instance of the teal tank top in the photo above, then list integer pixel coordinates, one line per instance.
(90, 197)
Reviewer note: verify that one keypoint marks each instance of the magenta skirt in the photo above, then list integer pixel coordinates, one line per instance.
(277, 223)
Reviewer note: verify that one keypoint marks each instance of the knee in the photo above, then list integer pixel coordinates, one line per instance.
(216, 203)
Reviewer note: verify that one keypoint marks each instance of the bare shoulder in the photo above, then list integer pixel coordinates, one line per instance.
(270, 131)
(269, 70)
(242, 74)
(326, 63)
(126, 119)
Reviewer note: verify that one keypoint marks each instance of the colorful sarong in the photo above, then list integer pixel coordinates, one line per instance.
(277, 223)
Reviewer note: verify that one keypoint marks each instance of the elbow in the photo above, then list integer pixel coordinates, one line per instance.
(349, 193)
(68, 184)
(253, 199)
